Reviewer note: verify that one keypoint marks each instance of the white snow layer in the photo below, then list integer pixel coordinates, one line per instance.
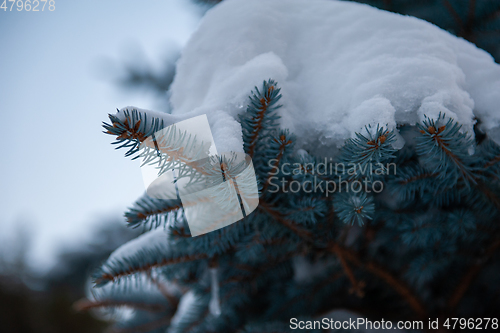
(341, 66)
(146, 241)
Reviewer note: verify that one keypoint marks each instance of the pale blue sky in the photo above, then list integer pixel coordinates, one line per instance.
(59, 174)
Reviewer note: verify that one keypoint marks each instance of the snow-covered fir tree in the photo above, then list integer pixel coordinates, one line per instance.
(398, 122)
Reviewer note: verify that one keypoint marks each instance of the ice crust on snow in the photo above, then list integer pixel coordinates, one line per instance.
(341, 66)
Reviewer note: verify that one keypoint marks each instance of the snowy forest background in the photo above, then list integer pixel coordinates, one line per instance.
(38, 287)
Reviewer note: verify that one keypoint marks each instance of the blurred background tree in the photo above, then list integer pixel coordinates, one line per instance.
(44, 304)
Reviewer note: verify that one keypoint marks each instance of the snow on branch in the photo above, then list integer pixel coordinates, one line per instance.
(149, 251)
(351, 66)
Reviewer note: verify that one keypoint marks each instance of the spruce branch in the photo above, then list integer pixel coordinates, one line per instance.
(352, 208)
(384, 274)
(256, 272)
(488, 193)
(278, 217)
(445, 149)
(150, 211)
(307, 210)
(174, 301)
(101, 277)
(197, 322)
(131, 131)
(416, 178)
(489, 164)
(253, 252)
(279, 144)
(495, 160)
(193, 314)
(174, 149)
(374, 147)
(260, 116)
(356, 287)
(454, 14)
(374, 268)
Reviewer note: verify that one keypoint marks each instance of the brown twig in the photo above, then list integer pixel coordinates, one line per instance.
(470, 276)
(283, 143)
(357, 287)
(488, 193)
(380, 271)
(443, 146)
(461, 166)
(144, 216)
(374, 268)
(260, 118)
(492, 162)
(418, 177)
(174, 301)
(302, 233)
(453, 13)
(148, 267)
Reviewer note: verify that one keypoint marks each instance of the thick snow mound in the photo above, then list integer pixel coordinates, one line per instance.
(341, 66)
